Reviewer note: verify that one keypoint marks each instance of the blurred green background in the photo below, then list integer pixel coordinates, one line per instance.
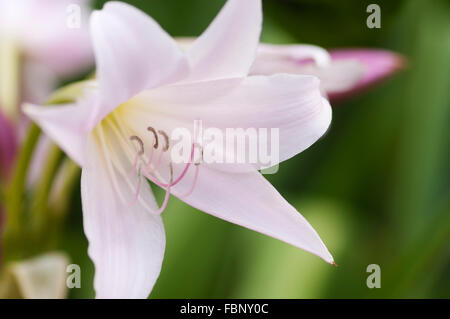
(376, 187)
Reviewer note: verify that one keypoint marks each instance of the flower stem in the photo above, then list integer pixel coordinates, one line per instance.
(59, 201)
(14, 195)
(59, 198)
(39, 201)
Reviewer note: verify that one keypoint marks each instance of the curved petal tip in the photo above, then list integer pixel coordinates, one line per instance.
(378, 66)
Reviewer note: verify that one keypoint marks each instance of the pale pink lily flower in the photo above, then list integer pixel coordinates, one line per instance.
(40, 42)
(147, 86)
(48, 32)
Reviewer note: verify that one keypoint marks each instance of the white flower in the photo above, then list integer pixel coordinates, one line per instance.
(146, 87)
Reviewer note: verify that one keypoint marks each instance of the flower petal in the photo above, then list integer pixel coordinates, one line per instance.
(132, 53)
(288, 56)
(377, 66)
(65, 124)
(50, 43)
(38, 82)
(41, 29)
(126, 241)
(249, 200)
(228, 47)
(291, 103)
(335, 76)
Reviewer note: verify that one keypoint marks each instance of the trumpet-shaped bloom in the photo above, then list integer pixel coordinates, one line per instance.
(146, 87)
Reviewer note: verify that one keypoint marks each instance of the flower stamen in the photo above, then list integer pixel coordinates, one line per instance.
(140, 152)
(166, 139)
(167, 195)
(149, 170)
(189, 192)
(151, 129)
(138, 188)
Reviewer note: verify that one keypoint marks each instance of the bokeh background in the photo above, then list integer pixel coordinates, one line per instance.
(376, 187)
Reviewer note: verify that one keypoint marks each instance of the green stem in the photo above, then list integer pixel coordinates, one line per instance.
(59, 202)
(60, 199)
(14, 195)
(39, 202)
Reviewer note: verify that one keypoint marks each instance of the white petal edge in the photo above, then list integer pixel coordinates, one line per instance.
(228, 47)
(294, 53)
(64, 124)
(338, 76)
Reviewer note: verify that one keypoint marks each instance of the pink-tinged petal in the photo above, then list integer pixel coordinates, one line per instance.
(132, 53)
(249, 200)
(338, 76)
(41, 29)
(8, 146)
(335, 76)
(37, 82)
(65, 124)
(228, 47)
(67, 53)
(271, 59)
(291, 103)
(63, 49)
(378, 65)
(126, 241)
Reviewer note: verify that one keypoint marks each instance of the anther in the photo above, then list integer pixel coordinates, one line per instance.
(141, 144)
(166, 139)
(151, 129)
